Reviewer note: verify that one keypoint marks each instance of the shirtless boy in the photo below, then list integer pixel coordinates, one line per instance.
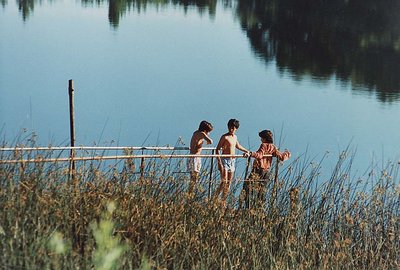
(226, 165)
(196, 143)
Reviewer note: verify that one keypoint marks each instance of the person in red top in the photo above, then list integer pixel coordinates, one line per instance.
(262, 165)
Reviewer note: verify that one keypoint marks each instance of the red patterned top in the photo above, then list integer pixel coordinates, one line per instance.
(264, 163)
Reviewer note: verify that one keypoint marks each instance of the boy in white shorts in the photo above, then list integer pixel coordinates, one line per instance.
(196, 144)
(194, 165)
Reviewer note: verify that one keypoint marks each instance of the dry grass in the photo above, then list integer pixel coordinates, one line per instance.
(342, 223)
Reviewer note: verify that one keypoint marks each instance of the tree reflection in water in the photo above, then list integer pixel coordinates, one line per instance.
(354, 41)
(25, 7)
(117, 8)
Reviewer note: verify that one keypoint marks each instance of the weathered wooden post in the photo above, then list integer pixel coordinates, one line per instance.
(211, 174)
(78, 241)
(71, 128)
(276, 182)
(247, 184)
(142, 166)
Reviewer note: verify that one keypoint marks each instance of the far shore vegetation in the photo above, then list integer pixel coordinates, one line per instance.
(115, 217)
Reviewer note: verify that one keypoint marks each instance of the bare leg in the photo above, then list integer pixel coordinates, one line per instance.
(261, 189)
(193, 181)
(226, 187)
(245, 194)
(220, 188)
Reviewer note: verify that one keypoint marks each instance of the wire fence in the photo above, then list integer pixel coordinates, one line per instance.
(19, 152)
(163, 159)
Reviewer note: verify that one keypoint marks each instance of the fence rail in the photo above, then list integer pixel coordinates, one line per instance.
(161, 156)
(108, 157)
(106, 148)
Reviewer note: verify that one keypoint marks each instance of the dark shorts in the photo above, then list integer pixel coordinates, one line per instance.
(261, 175)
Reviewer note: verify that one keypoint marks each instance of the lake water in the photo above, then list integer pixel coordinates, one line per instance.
(147, 72)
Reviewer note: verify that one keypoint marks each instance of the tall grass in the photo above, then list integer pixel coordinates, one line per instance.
(315, 221)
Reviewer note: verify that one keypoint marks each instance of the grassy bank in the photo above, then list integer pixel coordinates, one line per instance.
(116, 220)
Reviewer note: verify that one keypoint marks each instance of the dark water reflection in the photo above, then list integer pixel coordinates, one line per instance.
(353, 41)
(118, 7)
(25, 7)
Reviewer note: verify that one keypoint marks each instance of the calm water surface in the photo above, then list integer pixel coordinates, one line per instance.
(147, 72)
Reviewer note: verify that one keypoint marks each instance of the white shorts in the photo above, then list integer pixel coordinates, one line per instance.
(194, 164)
(228, 164)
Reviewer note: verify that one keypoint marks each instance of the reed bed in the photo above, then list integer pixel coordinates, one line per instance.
(115, 218)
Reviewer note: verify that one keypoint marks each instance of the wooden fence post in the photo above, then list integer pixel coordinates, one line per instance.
(142, 166)
(248, 184)
(77, 226)
(275, 188)
(72, 128)
(211, 175)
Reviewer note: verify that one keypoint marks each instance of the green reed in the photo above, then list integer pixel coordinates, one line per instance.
(313, 222)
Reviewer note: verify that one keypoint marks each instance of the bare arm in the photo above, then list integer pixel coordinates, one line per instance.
(259, 154)
(217, 149)
(241, 148)
(219, 145)
(207, 138)
(285, 155)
